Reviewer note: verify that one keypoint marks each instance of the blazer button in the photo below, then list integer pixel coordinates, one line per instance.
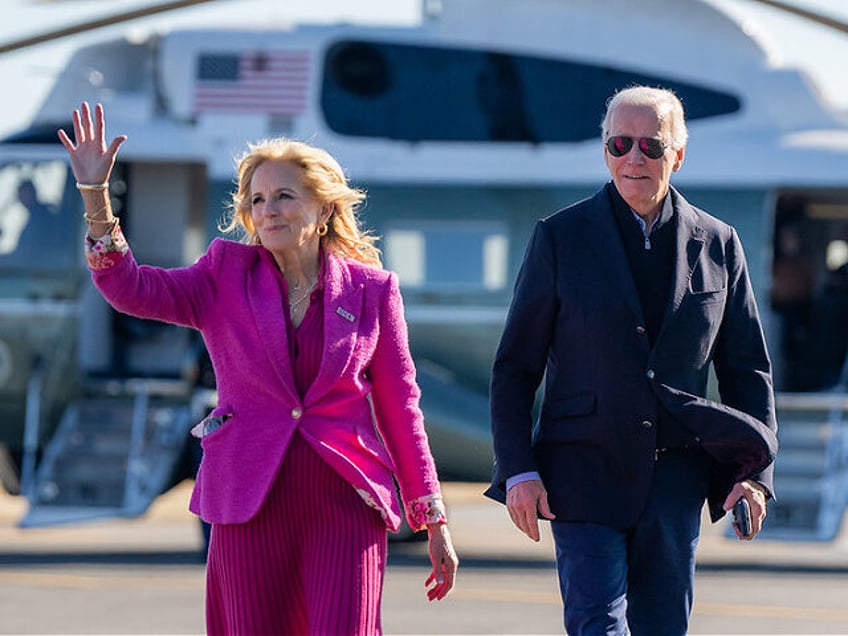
(640, 330)
(296, 413)
(647, 424)
(650, 374)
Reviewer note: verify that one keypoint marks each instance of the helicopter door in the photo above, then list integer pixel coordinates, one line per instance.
(162, 208)
(809, 290)
(809, 345)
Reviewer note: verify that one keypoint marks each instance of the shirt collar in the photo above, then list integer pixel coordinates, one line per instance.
(666, 212)
(624, 212)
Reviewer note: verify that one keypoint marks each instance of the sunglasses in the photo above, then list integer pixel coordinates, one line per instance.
(620, 145)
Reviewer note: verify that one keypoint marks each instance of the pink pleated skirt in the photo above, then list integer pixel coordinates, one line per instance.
(310, 562)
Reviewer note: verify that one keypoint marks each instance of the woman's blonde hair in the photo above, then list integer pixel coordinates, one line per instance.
(321, 174)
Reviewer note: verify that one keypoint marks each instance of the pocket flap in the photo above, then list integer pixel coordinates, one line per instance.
(570, 405)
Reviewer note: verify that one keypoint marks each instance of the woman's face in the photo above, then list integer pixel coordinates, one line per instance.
(285, 213)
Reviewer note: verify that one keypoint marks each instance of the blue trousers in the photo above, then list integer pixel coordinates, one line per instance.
(640, 580)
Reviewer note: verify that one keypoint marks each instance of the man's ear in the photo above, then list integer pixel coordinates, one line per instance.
(679, 155)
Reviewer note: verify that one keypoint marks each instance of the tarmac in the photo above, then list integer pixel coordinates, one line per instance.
(481, 530)
(145, 576)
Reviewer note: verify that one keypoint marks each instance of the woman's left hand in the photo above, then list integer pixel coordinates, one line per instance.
(444, 560)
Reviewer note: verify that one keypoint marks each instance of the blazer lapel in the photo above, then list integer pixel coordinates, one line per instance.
(690, 242)
(266, 301)
(342, 312)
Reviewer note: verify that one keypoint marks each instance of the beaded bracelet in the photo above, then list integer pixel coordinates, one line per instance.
(92, 186)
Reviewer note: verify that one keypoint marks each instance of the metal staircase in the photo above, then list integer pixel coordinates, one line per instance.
(811, 469)
(111, 455)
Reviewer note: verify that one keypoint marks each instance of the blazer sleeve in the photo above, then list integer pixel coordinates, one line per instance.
(521, 358)
(179, 296)
(395, 396)
(741, 360)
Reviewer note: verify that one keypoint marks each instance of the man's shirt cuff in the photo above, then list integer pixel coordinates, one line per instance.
(520, 477)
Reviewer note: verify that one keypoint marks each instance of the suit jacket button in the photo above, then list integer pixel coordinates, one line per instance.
(640, 330)
(650, 374)
(296, 413)
(647, 424)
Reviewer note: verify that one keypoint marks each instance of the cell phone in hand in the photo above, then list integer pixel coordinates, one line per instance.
(742, 517)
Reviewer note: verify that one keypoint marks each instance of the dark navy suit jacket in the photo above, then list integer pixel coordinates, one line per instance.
(576, 321)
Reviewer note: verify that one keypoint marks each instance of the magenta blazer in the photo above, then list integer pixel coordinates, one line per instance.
(361, 413)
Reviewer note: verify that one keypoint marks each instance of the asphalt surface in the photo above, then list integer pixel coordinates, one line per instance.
(145, 576)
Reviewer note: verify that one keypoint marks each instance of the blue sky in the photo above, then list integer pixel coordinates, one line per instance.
(27, 75)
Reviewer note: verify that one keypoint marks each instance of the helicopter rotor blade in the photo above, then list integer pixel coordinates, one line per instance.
(90, 25)
(807, 14)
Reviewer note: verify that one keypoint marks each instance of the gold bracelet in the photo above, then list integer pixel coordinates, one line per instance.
(110, 221)
(92, 186)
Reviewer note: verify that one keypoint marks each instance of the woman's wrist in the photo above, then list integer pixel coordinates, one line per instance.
(93, 187)
(102, 214)
(98, 207)
(426, 511)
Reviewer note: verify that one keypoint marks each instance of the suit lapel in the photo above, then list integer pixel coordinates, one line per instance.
(689, 244)
(342, 312)
(266, 301)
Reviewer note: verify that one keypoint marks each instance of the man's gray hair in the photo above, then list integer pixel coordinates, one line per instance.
(666, 103)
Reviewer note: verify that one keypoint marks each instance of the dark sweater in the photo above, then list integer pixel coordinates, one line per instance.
(651, 262)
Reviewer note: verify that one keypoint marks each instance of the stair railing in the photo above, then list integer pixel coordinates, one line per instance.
(32, 428)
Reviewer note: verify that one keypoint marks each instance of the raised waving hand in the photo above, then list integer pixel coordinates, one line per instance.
(91, 160)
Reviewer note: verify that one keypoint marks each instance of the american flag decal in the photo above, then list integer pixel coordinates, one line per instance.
(273, 82)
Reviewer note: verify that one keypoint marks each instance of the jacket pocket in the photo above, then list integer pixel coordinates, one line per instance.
(708, 284)
(209, 424)
(569, 419)
(709, 297)
(582, 403)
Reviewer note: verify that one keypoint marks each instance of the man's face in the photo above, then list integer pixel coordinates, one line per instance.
(641, 181)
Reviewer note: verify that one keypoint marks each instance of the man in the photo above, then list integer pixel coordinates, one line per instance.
(622, 304)
(39, 234)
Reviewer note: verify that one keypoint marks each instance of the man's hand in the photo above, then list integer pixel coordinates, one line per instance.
(755, 494)
(525, 501)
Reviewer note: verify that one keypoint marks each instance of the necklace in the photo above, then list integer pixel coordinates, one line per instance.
(293, 304)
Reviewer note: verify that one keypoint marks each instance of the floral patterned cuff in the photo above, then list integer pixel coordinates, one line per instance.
(425, 511)
(105, 251)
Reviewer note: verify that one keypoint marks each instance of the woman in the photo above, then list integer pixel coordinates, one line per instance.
(307, 337)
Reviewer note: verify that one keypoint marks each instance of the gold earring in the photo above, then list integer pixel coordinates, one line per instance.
(323, 229)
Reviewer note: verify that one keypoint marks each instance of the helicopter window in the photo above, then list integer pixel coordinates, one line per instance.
(448, 256)
(359, 68)
(422, 93)
(36, 228)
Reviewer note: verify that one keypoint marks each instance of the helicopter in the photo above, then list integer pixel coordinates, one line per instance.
(464, 130)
